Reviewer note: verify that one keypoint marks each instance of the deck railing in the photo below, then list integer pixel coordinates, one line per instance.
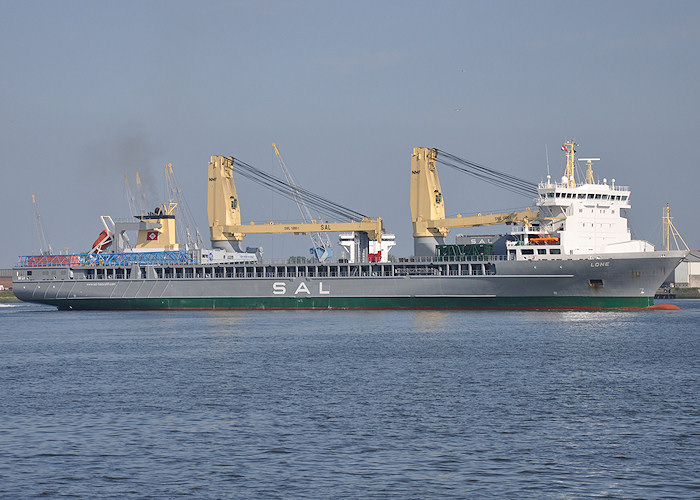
(178, 257)
(171, 258)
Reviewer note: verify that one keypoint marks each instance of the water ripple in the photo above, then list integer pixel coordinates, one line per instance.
(356, 405)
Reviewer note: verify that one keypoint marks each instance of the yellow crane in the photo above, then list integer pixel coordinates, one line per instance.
(224, 211)
(430, 226)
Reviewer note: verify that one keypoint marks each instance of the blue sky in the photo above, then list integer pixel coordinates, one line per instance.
(95, 90)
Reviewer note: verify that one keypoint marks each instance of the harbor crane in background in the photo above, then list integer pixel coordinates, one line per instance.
(129, 196)
(137, 203)
(141, 196)
(45, 246)
(430, 226)
(156, 228)
(321, 244)
(189, 230)
(224, 210)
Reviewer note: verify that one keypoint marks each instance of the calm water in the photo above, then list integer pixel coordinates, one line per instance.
(330, 404)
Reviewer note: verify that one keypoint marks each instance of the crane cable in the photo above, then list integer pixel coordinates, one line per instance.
(500, 179)
(324, 206)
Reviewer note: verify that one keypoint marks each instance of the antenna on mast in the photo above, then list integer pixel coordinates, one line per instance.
(569, 147)
(589, 170)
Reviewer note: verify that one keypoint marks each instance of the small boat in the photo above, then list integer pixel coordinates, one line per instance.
(544, 239)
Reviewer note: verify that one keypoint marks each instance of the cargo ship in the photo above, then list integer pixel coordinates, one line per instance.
(574, 252)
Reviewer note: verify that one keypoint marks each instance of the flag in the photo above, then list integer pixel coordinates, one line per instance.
(563, 148)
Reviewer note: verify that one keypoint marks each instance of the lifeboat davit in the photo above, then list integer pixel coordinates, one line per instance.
(102, 241)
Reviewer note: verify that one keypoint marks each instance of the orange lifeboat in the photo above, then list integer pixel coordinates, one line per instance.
(102, 241)
(544, 239)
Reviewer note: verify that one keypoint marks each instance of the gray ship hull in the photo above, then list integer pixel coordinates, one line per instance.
(592, 282)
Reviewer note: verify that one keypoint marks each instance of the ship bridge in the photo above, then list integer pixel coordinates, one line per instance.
(563, 195)
(577, 218)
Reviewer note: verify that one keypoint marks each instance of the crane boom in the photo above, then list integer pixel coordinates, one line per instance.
(130, 197)
(141, 199)
(191, 236)
(442, 226)
(320, 241)
(43, 238)
(430, 226)
(224, 211)
(373, 227)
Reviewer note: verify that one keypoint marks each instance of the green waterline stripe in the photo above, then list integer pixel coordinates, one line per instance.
(425, 302)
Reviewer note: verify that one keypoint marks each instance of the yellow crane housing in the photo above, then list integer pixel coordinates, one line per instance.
(430, 226)
(224, 210)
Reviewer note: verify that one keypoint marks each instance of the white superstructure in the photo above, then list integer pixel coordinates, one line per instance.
(577, 219)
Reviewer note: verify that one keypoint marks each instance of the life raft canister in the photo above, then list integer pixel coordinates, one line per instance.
(102, 241)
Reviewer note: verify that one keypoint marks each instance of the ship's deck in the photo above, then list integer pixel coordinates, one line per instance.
(409, 267)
